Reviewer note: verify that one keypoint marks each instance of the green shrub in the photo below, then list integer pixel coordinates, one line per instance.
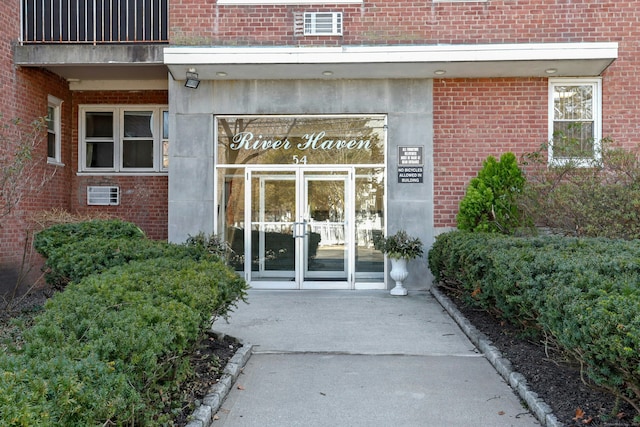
(60, 235)
(211, 244)
(75, 260)
(583, 292)
(490, 200)
(110, 346)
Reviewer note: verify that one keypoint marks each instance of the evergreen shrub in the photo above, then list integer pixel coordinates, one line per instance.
(582, 292)
(59, 235)
(490, 203)
(73, 261)
(108, 348)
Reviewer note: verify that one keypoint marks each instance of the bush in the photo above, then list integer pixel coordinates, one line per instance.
(490, 201)
(77, 250)
(109, 347)
(76, 260)
(59, 235)
(211, 244)
(601, 200)
(583, 292)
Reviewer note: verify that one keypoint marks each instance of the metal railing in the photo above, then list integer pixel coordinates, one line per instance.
(94, 21)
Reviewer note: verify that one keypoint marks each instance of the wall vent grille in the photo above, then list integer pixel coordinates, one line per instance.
(323, 23)
(103, 196)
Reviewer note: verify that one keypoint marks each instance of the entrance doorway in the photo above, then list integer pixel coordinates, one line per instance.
(300, 230)
(300, 200)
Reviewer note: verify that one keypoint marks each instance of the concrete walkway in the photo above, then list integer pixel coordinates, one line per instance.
(364, 358)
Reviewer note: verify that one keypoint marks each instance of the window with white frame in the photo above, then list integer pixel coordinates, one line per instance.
(123, 138)
(165, 140)
(53, 121)
(258, 2)
(575, 121)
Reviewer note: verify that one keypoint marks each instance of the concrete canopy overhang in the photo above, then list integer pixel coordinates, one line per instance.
(103, 66)
(382, 62)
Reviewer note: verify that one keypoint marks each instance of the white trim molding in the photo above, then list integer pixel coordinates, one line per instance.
(414, 61)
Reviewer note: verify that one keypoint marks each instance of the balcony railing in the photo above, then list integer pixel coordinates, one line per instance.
(94, 21)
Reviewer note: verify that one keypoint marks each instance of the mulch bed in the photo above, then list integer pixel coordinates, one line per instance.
(552, 374)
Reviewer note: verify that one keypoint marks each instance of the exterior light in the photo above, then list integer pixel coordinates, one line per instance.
(551, 70)
(221, 74)
(327, 73)
(439, 72)
(192, 79)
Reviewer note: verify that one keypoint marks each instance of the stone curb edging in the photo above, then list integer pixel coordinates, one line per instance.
(517, 381)
(203, 415)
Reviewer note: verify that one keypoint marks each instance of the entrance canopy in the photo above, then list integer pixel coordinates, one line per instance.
(377, 62)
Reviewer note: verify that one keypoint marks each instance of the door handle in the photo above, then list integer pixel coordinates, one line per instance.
(296, 229)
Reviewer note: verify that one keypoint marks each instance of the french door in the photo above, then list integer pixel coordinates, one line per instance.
(301, 234)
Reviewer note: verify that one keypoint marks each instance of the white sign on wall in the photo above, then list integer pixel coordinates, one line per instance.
(410, 165)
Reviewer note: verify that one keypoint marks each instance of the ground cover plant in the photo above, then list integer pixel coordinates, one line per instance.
(582, 294)
(110, 347)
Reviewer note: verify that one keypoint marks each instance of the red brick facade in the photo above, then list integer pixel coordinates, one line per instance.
(24, 97)
(473, 118)
(143, 199)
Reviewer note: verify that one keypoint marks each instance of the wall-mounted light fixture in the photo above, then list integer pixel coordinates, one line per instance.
(192, 79)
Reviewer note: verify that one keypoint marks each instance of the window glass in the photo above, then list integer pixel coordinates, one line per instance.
(99, 134)
(165, 140)
(137, 154)
(301, 140)
(99, 125)
(54, 129)
(124, 138)
(138, 124)
(51, 132)
(165, 125)
(99, 155)
(574, 120)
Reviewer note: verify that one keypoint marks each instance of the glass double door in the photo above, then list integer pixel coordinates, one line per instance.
(301, 228)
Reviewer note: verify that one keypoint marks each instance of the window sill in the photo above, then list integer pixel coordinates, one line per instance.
(579, 163)
(113, 173)
(53, 162)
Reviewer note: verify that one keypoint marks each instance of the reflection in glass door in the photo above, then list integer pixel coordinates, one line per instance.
(299, 234)
(326, 242)
(271, 242)
(304, 228)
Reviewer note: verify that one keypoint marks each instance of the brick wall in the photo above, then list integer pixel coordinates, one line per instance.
(143, 199)
(403, 21)
(476, 118)
(24, 97)
(473, 118)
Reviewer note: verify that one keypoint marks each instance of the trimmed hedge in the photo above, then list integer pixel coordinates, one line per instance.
(110, 346)
(583, 292)
(74, 261)
(114, 343)
(77, 250)
(59, 235)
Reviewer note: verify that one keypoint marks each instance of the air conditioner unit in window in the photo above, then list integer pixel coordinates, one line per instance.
(323, 23)
(103, 196)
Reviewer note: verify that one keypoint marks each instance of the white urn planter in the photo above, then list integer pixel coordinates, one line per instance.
(398, 273)
(399, 248)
